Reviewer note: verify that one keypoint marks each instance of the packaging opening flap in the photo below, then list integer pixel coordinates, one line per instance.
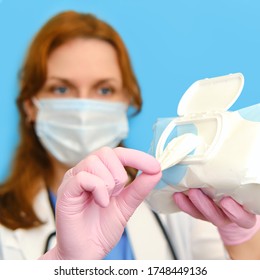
(211, 94)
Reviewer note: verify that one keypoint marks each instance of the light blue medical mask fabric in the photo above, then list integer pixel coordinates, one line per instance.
(70, 129)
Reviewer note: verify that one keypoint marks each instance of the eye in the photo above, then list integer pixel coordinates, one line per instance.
(61, 90)
(105, 91)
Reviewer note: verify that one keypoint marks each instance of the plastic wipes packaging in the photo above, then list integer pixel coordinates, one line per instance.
(209, 147)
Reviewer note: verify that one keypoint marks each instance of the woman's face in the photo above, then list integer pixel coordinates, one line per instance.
(83, 68)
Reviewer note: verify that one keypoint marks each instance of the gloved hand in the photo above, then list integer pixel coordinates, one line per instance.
(234, 224)
(93, 204)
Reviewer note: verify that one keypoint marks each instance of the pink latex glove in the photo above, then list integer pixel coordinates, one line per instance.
(93, 204)
(234, 224)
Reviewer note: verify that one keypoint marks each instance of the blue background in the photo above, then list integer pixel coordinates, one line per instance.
(172, 44)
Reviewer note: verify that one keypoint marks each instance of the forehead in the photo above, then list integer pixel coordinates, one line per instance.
(84, 57)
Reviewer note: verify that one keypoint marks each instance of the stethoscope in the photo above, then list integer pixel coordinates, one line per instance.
(165, 235)
(51, 239)
(52, 236)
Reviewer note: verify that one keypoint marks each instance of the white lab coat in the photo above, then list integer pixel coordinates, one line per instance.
(191, 238)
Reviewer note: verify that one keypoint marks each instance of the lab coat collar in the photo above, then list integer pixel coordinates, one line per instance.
(32, 242)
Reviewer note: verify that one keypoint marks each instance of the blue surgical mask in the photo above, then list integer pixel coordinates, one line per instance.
(72, 128)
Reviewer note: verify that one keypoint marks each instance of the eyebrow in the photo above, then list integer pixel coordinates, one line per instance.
(100, 82)
(63, 80)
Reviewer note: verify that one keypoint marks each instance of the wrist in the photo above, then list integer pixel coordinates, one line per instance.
(232, 234)
(52, 254)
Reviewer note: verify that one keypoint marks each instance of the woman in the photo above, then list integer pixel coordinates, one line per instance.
(76, 85)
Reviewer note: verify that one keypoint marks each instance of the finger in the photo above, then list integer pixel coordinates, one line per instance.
(115, 167)
(208, 208)
(236, 213)
(185, 204)
(135, 193)
(84, 182)
(139, 160)
(94, 165)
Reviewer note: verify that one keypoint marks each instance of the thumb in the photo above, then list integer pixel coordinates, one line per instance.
(136, 192)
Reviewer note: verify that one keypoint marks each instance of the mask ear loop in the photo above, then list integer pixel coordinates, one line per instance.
(36, 102)
(177, 149)
(28, 120)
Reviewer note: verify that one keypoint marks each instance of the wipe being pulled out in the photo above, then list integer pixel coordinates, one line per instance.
(209, 147)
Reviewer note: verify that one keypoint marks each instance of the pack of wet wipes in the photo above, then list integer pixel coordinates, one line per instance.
(209, 147)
